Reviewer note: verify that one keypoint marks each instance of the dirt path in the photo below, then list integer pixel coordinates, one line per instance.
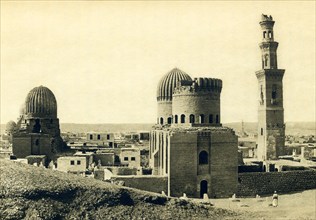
(301, 205)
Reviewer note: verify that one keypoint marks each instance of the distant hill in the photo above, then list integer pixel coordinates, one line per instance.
(80, 128)
(292, 128)
(28, 192)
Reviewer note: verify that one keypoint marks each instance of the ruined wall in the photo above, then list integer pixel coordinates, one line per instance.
(147, 183)
(106, 159)
(250, 184)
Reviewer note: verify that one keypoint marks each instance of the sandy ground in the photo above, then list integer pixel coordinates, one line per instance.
(300, 205)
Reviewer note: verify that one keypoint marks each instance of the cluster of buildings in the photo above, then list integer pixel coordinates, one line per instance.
(188, 147)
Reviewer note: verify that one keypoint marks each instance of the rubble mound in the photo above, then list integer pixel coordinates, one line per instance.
(29, 192)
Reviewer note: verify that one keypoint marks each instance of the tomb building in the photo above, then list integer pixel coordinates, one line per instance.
(37, 130)
(192, 148)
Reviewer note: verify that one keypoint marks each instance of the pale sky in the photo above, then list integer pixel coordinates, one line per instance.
(103, 60)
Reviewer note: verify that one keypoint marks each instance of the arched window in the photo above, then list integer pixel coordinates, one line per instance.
(37, 126)
(182, 118)
(169, 120)
(270, 34)
(217, 119)
(192, 118)
(203, 157)
(176, 119)
(261, 95)
(202, 119)
(266, 60)
(37, 142)
(210, 119)
(261, 131)
(161, 121)
(264, 34)
(274, 91)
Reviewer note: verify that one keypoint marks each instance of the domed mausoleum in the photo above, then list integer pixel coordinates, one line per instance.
(37, 130)
(165, 91)
(189, 145)
(41, 102)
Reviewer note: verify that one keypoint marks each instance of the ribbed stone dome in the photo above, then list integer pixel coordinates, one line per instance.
(41, 102)
(168, 82)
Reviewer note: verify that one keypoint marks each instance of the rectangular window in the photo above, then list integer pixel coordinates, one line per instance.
(133, 159)
(78, 162)
(99, 137)
(91, 136)
(72, 162)
(108, 137)
(125, 158)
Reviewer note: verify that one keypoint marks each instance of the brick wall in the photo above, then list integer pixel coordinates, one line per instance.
(147, 183)
(251, 184)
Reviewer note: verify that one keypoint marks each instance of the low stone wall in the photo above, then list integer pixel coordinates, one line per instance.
(249, 168)
(251, 184)
(144, 182)
(123, 170)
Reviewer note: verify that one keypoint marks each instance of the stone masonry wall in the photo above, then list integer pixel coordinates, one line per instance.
(147, 183)
(207, 104)
(164, 111)
(250, 184)
(224, 164)
(183, 164)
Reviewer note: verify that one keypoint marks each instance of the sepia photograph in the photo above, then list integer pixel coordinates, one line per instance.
(157, 110)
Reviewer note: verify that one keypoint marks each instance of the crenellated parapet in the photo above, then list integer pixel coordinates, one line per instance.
(199, 86)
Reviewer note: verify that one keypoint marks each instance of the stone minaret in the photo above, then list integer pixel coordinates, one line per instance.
(271, 128)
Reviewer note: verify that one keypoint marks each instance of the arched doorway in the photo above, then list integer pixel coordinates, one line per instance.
(203, 188)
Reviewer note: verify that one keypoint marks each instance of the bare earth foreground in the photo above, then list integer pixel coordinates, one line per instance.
(28, 192)
(300, 205)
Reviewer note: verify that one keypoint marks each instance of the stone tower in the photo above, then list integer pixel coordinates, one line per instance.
(271, 128)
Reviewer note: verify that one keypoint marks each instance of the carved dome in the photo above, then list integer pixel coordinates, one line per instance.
(168, 82)
(41, 102)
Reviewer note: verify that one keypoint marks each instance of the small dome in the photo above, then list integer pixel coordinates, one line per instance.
(168, 82)
(41, 102)
(10, 127)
